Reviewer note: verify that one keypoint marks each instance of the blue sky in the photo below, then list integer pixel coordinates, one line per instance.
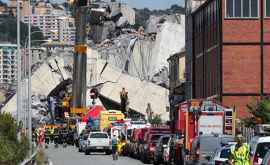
(152, 4)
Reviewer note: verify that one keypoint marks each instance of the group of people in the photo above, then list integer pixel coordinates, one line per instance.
(43, 135)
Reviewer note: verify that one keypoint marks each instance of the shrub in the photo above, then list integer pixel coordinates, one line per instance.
(260, 112)
(12, 151)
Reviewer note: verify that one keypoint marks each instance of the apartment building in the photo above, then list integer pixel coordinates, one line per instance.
(48, 24)
(67, 30)
(8, 63)
(228, 51)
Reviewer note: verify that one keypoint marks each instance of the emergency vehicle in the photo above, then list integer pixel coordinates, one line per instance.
(150, 137)
(143, 140)
(107, 117)
(197, 117)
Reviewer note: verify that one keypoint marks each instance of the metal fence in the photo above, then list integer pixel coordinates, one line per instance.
(248, 133)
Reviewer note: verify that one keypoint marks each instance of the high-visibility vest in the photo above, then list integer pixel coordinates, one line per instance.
(66, 102)
(52, 131)
(240, 156)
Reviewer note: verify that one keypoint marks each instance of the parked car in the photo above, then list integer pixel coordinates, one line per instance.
(266, 159)
(83, 142)
(174, 153)
(147, 148)
(259, 146)
(148, 143)
(162, 144)
(221, 156)
(98, 142)
(204, 146)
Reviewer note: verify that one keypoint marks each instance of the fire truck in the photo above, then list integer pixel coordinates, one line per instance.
(197, 117)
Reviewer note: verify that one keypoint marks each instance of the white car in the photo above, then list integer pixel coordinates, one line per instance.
(98, 142)
(222, 155)
(259, 146)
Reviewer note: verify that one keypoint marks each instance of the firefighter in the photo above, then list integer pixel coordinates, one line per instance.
(41, 136)
(115, 142)
(51, 134)
(47, 136)
(124, 101)
(66, 104)
(239, 153)
(56, 137)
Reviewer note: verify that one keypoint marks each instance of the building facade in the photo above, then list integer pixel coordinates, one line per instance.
(55, 27)
(8, 64)
(51, 19)
(177, 82)
(24, 7)
(67, 30)
(48, 24)
(229, 47)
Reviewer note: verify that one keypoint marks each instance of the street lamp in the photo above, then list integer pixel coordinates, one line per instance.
(29, 92)
(19, 105)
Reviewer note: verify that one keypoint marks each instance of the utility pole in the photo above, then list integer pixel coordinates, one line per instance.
(29, 80)
(19, 98)
(80, 60)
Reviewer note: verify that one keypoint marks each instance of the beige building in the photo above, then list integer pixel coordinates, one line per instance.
(24, 7)
(177, 81)
(3, 8)
(43, 8)
(176, 72)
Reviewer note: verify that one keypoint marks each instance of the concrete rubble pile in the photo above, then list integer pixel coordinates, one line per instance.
(143, 53)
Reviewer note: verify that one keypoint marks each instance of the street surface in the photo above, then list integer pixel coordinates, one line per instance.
(71, 156)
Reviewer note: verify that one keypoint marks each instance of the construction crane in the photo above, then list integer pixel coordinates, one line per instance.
(82, 9)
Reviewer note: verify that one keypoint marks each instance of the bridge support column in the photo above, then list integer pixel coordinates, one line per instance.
(80, 62)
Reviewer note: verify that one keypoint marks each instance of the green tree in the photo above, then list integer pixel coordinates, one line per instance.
(156, 119)
(12, 151)
(260, 112)
(37, 36)
(9, 31)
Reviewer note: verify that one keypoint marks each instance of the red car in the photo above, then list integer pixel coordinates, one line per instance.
(151, 136)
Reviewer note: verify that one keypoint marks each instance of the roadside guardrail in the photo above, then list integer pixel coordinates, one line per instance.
(31, 160)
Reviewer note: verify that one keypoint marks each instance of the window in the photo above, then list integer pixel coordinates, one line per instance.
(98, 136)
(267, 8)
(242, 8)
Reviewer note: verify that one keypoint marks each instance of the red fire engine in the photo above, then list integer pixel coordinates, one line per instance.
(196, 117)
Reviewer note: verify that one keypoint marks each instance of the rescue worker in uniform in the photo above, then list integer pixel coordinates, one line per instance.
(239, 153)
(51, 134)
(115, 142)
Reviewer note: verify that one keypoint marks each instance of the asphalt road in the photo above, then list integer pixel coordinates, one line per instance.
(71, 156)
